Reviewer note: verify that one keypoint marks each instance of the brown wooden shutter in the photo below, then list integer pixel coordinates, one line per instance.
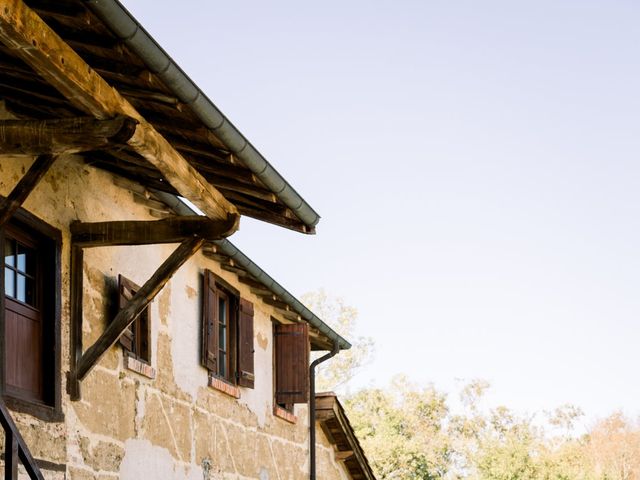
(209, 319)
(245, 345)
(126, 290)
(292, 363)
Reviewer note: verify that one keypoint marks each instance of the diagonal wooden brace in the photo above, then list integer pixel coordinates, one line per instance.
(136, 305)
(24, 187)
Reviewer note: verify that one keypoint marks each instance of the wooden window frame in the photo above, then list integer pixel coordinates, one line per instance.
(223, 290)
(140, 328)
(50, 244)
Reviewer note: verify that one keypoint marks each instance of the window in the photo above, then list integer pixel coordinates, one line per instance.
(291, 364)
(136, 338)
(227, 333)
(30, 315)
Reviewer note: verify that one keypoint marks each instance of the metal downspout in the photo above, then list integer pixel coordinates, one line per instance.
(312, 407)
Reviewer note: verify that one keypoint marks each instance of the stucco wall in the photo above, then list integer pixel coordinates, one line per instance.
(174, 426)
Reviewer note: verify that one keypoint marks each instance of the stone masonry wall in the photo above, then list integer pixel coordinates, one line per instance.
(174, 426)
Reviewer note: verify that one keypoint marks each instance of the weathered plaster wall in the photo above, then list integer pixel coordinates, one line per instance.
(174, 426)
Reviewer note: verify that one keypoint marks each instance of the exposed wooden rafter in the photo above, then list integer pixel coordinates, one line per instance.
(67, 135)
(32, 40)
(141, 232)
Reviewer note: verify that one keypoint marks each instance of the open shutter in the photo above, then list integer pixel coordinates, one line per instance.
(126, 290)
(245, 344)
(292, 363)
(209, 338)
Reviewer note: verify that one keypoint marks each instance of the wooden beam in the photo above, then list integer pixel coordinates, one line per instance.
(275, 302)
(230, 268)
(10, 456)
(344, 455)
(136, 305)
(24, 187)
(145, 232)
(32, 40)
(77, 280)
(68, 135)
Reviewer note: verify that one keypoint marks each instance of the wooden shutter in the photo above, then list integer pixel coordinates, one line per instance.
(292, 363)
(126, 290)
(209, 319)
(245, 344)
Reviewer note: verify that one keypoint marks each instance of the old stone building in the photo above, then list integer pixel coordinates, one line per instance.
(138, 342)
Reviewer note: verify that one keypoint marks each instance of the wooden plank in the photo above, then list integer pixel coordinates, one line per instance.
(31, 39)
(68, 135)
(10, 456)
(77, 280)
(144, 232)
(25, 186)
(344, 455)
(136, 305)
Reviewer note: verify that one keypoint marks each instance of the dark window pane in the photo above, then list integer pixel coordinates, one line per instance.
(9, 283)
(26, 259)
(222, 364)
(9, 252)
(222, 336)
(222, 311)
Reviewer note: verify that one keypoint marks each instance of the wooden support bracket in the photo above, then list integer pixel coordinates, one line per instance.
(24, 187)
(169, 230)
(67, 135)
(134, 307)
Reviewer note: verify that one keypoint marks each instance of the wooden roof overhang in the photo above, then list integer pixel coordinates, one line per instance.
(44, 40)
(231, 259)
(335, 425)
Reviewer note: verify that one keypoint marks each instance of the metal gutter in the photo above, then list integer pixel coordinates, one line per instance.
(240, 259)
(129, 30)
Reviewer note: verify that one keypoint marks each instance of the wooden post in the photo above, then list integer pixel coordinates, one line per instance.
(136, 305)
(77, 280)
(10, 456)
(25, 186)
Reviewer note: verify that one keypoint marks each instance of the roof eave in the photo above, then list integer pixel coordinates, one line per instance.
(129, 30)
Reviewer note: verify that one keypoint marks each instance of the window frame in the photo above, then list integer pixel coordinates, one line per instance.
(232, 296)
(49, 240)
(140, 334)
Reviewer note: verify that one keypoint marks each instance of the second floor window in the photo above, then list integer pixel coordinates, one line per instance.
(227, 333)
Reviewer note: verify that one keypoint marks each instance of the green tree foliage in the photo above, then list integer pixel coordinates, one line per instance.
(336, 372)
(411, 432)
(403, 430)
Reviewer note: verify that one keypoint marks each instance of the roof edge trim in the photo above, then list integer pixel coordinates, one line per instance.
(131, 32)
(230, 250)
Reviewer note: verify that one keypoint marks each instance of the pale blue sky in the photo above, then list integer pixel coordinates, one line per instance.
(476, 168)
